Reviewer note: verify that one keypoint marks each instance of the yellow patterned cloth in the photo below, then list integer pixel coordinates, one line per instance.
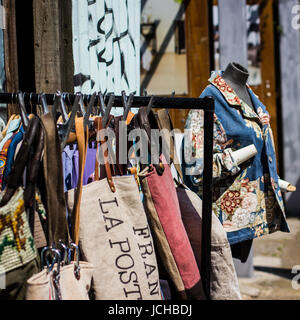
(16, 241)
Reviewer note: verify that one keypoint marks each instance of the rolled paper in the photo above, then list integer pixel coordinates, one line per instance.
(286, 186)
(244, 154)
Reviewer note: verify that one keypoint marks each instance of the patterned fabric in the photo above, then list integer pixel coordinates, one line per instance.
(3, 158)
(16, 242)
(246, 198)
(11, 153)
(13, 126)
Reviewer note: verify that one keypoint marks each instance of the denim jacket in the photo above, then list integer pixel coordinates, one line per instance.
(246, 198)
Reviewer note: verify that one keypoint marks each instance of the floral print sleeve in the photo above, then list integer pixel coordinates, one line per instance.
(224, 163)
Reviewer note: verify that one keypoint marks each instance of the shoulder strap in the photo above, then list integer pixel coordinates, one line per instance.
(52, 164)
(82, 141)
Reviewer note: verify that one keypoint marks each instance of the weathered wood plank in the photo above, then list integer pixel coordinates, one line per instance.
(233, 31)
(197, 45)
(197, 54)
(10, 53)
(290, 91)
(53, 45)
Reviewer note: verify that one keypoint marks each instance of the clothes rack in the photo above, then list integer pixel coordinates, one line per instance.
(207, 105)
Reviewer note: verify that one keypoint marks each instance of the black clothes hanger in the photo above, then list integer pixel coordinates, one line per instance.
(108, 109)
(23, 112)
(59, 102)
(65, 129)
(81, 105)
(89, 110)
(101, 105)
(127, 104)
(150, 104)
(42, 99)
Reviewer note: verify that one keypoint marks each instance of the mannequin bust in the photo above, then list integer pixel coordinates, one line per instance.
(236, 76)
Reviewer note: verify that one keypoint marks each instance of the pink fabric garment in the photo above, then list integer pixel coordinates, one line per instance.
(164, 196)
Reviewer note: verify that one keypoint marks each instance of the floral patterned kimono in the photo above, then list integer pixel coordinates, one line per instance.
(246, 198)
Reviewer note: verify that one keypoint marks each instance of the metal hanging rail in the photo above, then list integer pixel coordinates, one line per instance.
(207, 105)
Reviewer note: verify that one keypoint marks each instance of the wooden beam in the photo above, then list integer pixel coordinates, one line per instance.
(290, 94)
(53, 45)
(198, 46)
(267, 92)
(10, 53)
(233, 32)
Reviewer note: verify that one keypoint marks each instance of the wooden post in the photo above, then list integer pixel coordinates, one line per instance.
(233, 48)
(53, 45)
(10, 53)
(290, 93)
(197, 45)
(233, 32)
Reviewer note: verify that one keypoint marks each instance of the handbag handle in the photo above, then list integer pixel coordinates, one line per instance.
(82, 135)
(53, 172)
(103, 147)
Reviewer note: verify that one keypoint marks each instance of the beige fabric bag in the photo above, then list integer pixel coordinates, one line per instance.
(224, 282)
(115, 237)
(41, 286)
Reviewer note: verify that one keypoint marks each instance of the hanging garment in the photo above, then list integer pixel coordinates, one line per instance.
(114, 234)
(106, 46)
(247, 199)
(3, 158)
(70, 160)
(11, 154)
(12, 127)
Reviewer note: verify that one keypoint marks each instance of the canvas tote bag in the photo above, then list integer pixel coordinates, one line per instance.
(70, 281)
(115, 237)
(162, 207)
(224, 282)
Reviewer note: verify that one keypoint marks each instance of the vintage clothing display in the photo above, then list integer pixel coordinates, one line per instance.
(246, 198)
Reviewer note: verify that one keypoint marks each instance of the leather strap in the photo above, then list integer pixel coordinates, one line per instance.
(104, 149)
(55, 200)
(82, 141)
(33, 168)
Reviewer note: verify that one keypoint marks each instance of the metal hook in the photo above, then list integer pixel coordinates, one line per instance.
(56, 259)
(76, 266)
(150, 104)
